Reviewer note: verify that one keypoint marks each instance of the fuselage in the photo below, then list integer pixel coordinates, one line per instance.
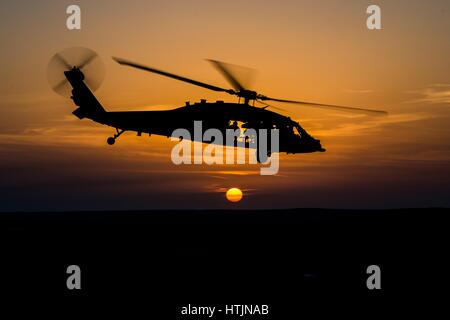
(217, 115)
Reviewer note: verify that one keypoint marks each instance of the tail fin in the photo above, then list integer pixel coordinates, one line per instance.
(89, 106)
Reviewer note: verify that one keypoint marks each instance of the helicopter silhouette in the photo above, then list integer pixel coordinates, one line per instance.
(218, 115)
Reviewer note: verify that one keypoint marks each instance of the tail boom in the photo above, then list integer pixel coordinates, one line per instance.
(88, 105)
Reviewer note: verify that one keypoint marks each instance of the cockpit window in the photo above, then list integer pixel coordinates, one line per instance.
(297, 132)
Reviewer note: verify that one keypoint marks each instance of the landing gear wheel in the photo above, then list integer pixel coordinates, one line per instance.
(111, 141)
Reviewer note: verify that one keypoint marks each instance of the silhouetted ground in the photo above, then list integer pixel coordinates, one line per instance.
(298, 261)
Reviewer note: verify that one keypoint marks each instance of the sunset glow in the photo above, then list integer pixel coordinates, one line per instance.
(318, 51)
(234, 195)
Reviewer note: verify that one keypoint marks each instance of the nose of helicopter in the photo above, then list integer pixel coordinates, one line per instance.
(319, 145)
(311, 145)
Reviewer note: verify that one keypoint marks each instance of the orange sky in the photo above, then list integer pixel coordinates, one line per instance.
(308, 50)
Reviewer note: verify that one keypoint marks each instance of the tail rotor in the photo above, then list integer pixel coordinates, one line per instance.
(84, 59)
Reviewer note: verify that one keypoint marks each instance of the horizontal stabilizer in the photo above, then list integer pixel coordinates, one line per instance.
(79, 113)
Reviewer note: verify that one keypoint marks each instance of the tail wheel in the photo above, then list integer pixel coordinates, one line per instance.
(111, 141)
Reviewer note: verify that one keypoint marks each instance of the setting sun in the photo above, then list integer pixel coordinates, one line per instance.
(234, 195)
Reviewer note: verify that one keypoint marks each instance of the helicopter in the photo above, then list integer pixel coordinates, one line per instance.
(219, 115)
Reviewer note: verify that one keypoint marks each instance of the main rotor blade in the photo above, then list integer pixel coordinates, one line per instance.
(327, 106)
(173, 76)
(269, 105)
(225, 71)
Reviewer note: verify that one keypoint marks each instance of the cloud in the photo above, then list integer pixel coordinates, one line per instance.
(364, 125)
(438, 93)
